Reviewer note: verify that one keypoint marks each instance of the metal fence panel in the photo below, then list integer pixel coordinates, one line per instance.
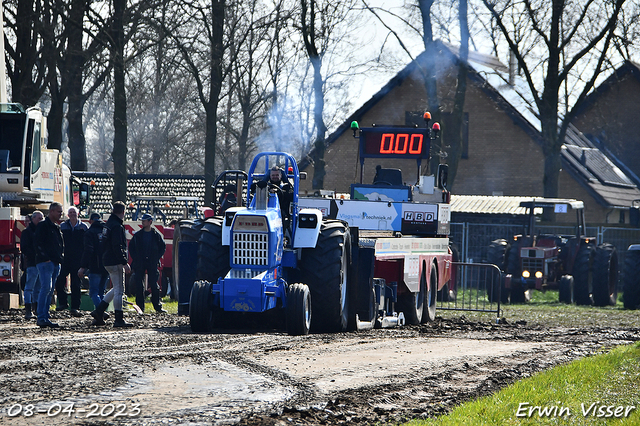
(474, 287)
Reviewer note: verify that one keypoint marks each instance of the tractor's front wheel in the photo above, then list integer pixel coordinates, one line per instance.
(582, 277)
(325, 270)
(565, 292)
(605, 275)
(201, 307)
(298, 310)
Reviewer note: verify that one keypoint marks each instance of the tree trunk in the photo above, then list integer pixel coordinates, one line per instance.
(74, 66)
(430, 82)
(28, 73)
(321, 130)
(77, 141)
(217, 53)
(458, 102)
(119, 153)
(55, 118)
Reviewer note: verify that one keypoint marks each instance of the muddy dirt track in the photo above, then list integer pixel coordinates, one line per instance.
(160, 373)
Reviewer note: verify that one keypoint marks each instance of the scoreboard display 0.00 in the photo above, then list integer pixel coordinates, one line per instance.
(390, 142)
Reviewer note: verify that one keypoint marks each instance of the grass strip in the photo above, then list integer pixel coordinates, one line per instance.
(602, 389)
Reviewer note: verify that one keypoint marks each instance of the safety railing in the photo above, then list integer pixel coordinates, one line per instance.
(474, 287)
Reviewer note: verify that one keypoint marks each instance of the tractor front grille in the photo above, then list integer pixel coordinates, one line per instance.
(251, 248)
(532, 265)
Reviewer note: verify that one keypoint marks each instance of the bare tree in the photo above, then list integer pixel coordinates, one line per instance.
(323, 25)
(457, 115)
(202, 45)
(247, 94)
(561, 48)
(26, 71)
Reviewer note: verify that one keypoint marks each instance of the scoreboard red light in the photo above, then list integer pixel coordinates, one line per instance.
(394, 143)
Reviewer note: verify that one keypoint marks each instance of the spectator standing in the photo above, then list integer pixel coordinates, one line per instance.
(115, 262)
(28, 247)
(73, 231)
(49, 256)
(94, 241)
(146, 249)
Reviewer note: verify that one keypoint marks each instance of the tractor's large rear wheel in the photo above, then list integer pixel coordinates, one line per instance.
(325, 269)
(213, 257)
(582, 277)
(185, 230)
(497, 253)
(631, 280)
(605, 275)
(201, 307)
(298, 310)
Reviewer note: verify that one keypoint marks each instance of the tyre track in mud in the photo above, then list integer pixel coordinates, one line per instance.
(83, 364)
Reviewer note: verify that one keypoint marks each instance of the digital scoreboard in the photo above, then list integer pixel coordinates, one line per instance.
(394, 142)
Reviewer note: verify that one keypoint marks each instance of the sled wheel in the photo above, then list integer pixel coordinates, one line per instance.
(412, 304)
(429, 314)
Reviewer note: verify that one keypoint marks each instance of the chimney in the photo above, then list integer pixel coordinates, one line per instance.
(513, 66)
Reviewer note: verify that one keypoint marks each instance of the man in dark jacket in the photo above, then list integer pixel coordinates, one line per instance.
(115, 262)
(91, 262)
(146, 249)
(49, 257)
(73, 231)
(28, 247)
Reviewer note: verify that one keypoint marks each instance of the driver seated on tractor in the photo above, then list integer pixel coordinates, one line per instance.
(278, 183)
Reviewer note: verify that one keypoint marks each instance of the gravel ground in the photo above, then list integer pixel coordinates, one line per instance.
(160, 373)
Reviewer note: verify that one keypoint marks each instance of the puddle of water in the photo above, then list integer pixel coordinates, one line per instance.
(219, 391)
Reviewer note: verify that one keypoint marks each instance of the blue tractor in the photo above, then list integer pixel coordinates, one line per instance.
(260, 258)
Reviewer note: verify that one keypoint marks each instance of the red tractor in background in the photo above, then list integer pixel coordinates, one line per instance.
(580, 269)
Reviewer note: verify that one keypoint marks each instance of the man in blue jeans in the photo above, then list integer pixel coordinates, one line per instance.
(28, 247)
(94, 241)
(49, 257)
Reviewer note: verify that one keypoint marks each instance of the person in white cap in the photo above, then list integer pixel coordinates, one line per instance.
(146, 249)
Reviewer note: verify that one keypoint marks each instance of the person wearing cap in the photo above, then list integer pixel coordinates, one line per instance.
(91, 262)
(146, 249)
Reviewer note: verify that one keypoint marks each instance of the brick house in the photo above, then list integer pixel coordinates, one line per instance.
(502, 147)
(610, 114)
